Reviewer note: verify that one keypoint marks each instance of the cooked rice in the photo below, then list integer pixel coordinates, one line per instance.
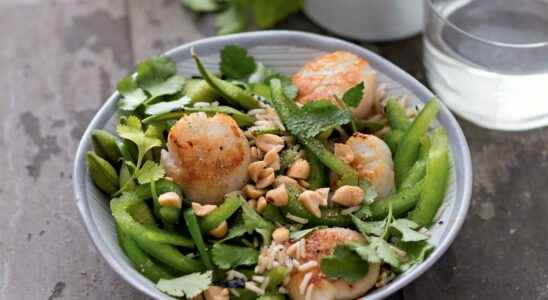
(307, 266)
(304, 283)
(254, 288)
(309, 291)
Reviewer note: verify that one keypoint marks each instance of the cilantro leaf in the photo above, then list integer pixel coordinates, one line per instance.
(417, 252)
(228, 256)
(254, 222)
(231, 20)
(132, 131)
(201, 5)
(367, 253)
(369, 228)
(406, 228)
(354, 95)
(235, 231)
(150, 172)
(157, 76)
(344, 263)
(316, 117)
(132, 95)
(164, 107)
(189, 285)
(297, 235)
(268, 13)
(385, 251)
(236, 63)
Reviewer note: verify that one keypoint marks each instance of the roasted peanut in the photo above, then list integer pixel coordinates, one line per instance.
(170, 199)
(219, 231)
(267, 142)
(300, 169)
(278, 196)
(280, 235)
(252, 192)
(348, 195)
(311, 201)
(254, 169)
(261, 204)
(202, 210)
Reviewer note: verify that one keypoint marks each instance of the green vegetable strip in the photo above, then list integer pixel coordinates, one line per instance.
(435, 180)
(140, 261)
(401, 202)
(141, 214)
(419, 168)
(229, 91)
(162, 236)
(232, 203)
(272, 214)
(276, 276)
(317, 178)
(240, 118)
(408, 148)
(285, 109)
(397, 116)
(330, 216)
(162, 252)
(194, 229)
(392, 139)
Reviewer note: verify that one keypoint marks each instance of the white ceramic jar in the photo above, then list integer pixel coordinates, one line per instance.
(371, 20)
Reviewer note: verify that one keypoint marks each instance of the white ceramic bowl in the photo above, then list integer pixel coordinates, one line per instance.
(285, 51)
(369, 20)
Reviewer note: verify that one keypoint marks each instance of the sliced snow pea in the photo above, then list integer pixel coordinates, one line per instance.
(127, 151)
(139, 259)
(194, 229)
(401, 202)
(266, 130)
(125, 178)
(231, 204)
(104, 144)
(393, 138)
(163, 252)
(317, 178)
(227, 90)
(418, 170)
(271, 296)
(141, 214)
(168, 214)
(397, 116)
(408, 148)
(241, 118)
(102, 173)
(199, 90)
(435, 180)
(285, 109)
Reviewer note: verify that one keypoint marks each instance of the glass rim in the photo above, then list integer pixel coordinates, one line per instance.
(476, 37)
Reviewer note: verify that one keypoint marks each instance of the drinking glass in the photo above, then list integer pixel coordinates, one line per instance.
(488, 60)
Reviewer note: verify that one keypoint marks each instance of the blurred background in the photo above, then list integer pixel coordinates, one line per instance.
(60, 61)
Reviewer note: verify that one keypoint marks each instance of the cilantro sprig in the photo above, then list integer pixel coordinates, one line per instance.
(188, 286)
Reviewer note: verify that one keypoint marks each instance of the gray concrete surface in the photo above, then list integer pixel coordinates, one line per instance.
(59, 60)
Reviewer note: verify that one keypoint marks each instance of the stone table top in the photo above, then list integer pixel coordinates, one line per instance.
(61, 59)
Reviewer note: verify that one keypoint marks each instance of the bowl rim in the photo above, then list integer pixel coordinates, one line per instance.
(321, 42)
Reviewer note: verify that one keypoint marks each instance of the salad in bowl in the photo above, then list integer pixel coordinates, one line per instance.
(250, 184)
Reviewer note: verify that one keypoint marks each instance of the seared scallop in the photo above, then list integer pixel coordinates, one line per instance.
(373, 161)
(319, 244)
(208, 156)
(332, 74)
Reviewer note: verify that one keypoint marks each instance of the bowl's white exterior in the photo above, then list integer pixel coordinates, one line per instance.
(286, 51)
(369, 20)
